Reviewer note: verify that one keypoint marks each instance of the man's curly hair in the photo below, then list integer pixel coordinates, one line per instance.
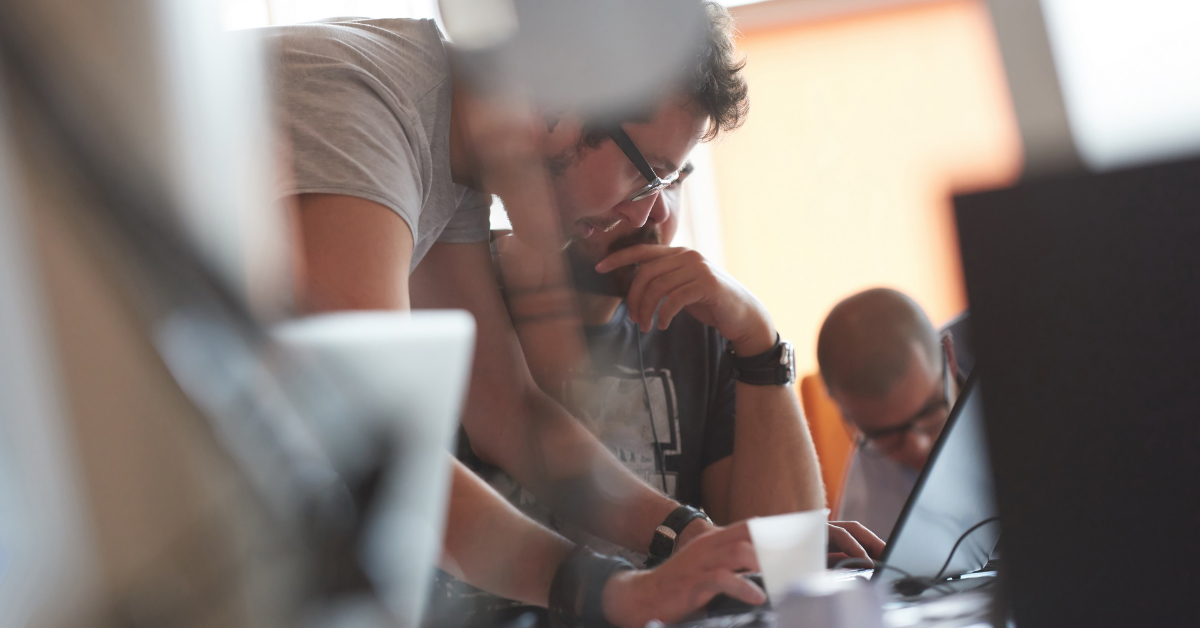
(714, 82)
(718, 87)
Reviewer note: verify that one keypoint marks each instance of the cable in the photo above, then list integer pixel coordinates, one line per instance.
(912, 585)
(961, 538)
(925, 583)
(661, 461)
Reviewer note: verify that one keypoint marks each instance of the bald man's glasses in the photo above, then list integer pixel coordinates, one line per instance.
(928, 420)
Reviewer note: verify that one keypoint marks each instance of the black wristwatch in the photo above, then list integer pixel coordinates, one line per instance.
(664, 535)
(774, 367)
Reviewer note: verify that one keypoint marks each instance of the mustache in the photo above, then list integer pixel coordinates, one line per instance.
(617, 282)
(646, 235)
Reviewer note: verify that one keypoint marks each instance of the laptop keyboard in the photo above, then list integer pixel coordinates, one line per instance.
(761, 618)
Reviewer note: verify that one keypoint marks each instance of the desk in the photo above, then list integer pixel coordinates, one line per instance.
(967, 603)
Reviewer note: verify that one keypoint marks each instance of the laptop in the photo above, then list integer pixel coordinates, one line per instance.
(949, 525)
(948, 530)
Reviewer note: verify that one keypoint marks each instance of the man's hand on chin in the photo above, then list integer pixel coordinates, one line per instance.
(672, 279)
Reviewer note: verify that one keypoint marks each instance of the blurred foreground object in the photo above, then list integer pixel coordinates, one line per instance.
(162, 462)
(1102, 85)
(409, 372)
(1085, 310)
(601, 58)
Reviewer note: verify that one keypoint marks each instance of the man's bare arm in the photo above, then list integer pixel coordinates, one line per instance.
(514, 425)
(491, 545)
(774, 466)
(354, 254)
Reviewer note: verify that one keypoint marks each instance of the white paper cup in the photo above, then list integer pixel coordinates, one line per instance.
(789, 547)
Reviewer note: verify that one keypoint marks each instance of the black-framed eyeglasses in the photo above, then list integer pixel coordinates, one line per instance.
(928, 420)
(656, 183)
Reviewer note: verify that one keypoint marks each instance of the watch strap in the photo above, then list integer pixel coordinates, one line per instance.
(774, 367)
(666, 534)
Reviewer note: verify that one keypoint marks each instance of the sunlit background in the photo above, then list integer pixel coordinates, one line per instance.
(865, 117)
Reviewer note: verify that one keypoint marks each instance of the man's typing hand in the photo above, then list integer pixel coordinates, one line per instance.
(672, 279)
(707, 566)
(851, 539)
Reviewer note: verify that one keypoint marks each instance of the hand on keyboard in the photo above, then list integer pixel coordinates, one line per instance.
(851, 539)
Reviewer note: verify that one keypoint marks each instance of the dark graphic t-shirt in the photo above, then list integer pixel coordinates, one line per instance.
(690, 400)
(688, 397)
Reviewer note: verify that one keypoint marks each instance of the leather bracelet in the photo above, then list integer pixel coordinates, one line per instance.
(577, 590)
(598, 570)
(564, 592)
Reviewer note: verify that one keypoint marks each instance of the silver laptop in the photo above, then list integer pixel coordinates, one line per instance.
(949, 526)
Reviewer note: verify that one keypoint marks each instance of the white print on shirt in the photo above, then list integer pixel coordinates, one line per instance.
(613, 407)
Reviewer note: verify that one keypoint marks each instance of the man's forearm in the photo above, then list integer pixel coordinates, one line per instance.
(775, 468)
(566, 467)
(491, 545)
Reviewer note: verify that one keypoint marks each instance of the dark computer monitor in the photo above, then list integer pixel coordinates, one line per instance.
(1085, 302)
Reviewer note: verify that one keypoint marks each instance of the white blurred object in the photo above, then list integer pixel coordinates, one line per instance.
(222, 166)
(409, 372)
(45, 550)
(789, 547)
(1130, 77)
(173, 101)
(829, 602)
(481, 23)
(602, 58)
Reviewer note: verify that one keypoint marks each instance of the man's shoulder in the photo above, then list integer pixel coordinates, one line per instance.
(423, 33)
(395, 48)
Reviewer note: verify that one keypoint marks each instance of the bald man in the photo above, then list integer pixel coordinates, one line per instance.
(894, 378)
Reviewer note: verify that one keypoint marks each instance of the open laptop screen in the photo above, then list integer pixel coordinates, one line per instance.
(949, 526)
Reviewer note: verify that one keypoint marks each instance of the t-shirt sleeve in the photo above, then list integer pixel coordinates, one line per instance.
(472, 220)
(346, 140)
(719, 428)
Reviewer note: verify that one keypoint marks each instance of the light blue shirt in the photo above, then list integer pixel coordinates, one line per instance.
(876, 489)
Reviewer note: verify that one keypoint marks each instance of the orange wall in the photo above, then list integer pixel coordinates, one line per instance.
(859, 129)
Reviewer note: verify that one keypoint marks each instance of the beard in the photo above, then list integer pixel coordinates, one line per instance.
(615, 283)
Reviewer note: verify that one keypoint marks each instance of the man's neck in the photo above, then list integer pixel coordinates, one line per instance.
(597, 309)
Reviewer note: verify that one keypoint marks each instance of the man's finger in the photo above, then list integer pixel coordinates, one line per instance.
(679, 298)
(636, 254)
(868, 539)
(741, 588)
(833, 559)
(647, 273)
(656, 290)
(843, 541)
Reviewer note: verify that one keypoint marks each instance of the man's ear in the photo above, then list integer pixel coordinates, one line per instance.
(948, 347)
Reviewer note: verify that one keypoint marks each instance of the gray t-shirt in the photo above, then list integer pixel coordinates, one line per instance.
(365, 106)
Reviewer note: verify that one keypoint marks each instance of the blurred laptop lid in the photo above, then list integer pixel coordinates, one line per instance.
(1086, 306)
